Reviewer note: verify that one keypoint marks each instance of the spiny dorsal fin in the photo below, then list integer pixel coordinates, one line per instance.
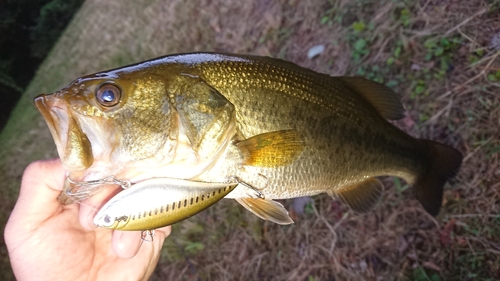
(383, 98)
(266, 209)
(360, 197)
(272, 149)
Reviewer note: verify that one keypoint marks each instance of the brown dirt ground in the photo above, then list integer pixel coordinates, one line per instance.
(457, 104)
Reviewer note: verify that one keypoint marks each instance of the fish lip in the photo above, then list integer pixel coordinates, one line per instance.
(55, 112)
(43, 104)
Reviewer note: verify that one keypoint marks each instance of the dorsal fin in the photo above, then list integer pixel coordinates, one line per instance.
(383, 98)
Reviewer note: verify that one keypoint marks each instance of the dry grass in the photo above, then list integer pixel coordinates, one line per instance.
(437, 54)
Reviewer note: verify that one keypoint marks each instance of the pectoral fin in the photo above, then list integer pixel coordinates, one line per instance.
(360, 197)
(266, 209)
(272, 149)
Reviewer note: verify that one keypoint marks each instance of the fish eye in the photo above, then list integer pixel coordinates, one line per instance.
(108, 95)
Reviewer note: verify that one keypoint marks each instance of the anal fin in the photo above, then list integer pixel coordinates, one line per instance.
(266, 209)
(360, 197)
(272, 149)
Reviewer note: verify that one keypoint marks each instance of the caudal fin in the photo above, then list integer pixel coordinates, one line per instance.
(444, 163)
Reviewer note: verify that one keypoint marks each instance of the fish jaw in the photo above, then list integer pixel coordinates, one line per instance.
(54, 113)
(73, 146)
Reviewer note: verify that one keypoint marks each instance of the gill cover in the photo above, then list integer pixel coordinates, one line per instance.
(205, 114)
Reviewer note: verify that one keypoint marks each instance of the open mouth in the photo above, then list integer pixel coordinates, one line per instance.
(72, 144)
(54, 111)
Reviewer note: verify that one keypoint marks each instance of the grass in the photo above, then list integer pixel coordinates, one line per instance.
(436, 54)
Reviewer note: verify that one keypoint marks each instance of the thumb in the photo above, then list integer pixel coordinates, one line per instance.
(127, 244)
(41, 184)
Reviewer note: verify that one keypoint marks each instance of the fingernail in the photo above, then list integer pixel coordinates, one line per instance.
(126, 244)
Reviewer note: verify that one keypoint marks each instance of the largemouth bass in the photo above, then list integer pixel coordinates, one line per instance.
(282, 130)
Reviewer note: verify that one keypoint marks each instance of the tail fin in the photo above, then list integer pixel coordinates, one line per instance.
(444, 163)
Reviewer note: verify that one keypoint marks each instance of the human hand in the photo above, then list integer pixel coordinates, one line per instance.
(49, 241)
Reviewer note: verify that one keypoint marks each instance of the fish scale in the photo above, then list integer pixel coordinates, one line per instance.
(279, 120)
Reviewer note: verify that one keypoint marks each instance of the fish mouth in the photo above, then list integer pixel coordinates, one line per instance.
(72, 144)
(54, 111)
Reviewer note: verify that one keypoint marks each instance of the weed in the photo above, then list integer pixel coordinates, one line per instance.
(395, 54)
(474, 57)
(399, 186)
(360, 49)
(494, 77)
(309, 209)
(441, 51)
(420, 274)
(328, 16)
(474, 266)
(193, 247)
(405, 17)
(359, 44)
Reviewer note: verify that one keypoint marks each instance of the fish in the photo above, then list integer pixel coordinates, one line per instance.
(158, 202)
(282, 130)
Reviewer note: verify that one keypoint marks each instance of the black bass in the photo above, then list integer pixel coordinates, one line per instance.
(282, 130)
